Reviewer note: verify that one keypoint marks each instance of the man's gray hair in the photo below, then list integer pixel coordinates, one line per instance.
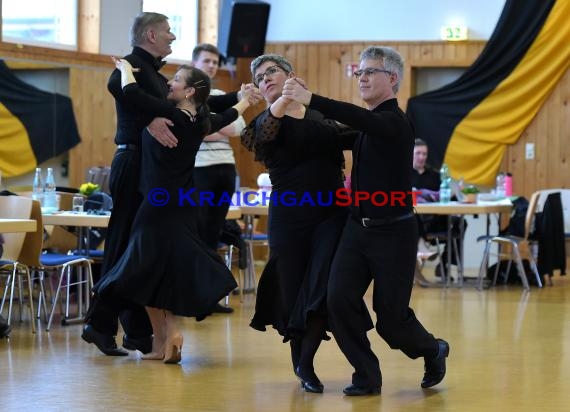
(390, 58)
(143, 22)
(275, 58)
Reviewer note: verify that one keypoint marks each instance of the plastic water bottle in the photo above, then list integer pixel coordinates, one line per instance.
(38, 187)
(444, 187)
(500, 185)
(50, 197)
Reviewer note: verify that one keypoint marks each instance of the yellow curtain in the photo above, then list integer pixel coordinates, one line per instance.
(500, 119)
(16, 154)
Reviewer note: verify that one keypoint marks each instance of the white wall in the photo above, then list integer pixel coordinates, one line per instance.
(348, 20)
(334, 20)
(116, 20)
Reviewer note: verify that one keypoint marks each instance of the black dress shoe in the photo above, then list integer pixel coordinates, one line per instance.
(143, 345)
(355, 390)
(105, 343)
(222, 309)
(435, 367)
(313, 385)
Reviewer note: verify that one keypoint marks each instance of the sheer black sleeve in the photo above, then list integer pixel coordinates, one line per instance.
(260, 131)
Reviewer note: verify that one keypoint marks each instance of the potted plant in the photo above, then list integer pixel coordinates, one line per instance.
(87, 189)
(470, 194)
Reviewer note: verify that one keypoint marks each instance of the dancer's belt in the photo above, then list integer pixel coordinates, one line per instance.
(381, 221)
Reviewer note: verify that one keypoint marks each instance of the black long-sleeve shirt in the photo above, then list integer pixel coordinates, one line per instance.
(133, 114)
(171, 168)
(382, 154)
(429, 179)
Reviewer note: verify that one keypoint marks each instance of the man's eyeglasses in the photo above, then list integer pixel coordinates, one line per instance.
(271, 70)
(368, 71)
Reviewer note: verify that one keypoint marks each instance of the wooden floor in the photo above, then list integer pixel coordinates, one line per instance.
(510, 351)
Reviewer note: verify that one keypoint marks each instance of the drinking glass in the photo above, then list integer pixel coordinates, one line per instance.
(77, 204)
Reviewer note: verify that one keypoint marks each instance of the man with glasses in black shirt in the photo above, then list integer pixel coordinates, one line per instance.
(379, 242)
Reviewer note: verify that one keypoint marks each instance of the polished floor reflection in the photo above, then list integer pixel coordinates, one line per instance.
(509, 351)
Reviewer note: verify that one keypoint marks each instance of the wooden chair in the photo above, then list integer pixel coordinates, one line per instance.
(60, 264)
(58, 238)
(15, 207)
(514, 248)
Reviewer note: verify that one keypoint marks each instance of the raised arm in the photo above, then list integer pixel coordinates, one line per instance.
(221, 120)
(138, 98)
(123, 86)
(233, 129)
(349, 114)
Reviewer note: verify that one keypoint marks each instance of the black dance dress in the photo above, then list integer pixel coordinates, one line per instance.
(304, 159)
(166, 265)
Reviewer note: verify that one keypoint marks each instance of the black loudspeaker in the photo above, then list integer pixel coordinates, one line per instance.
(242, 28)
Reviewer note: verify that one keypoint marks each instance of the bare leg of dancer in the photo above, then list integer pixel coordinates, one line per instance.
(158, 322)
(174, 339)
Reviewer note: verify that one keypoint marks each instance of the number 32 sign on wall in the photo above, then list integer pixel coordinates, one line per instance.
(453, 33)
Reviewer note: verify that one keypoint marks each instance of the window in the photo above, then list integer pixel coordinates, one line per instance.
(183, 20)
(48, 23)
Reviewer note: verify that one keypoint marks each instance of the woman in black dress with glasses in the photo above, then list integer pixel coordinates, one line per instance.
(303, 154)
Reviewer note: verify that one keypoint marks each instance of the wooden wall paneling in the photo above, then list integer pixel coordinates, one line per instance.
(355, 59)
(275, 48)
(552, 108)
(540, 139)
(50, 56)
(449, 51)
(426, 53)
(414, 54)
(460, 52)
(515, 164)
(345, 80)
(565, 130)
(323, 87)
(290, 52)
(94, 109)
(336, 72)
(312, 71)
(300, 65)
(530, 169)
(437, 51)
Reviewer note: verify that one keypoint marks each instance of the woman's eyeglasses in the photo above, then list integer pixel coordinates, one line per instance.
(271, 70)
(368, 71)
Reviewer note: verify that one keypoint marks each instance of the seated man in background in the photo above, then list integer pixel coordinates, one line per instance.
(427, 180)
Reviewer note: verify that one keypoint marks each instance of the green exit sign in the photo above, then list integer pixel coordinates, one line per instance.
(453, 33)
